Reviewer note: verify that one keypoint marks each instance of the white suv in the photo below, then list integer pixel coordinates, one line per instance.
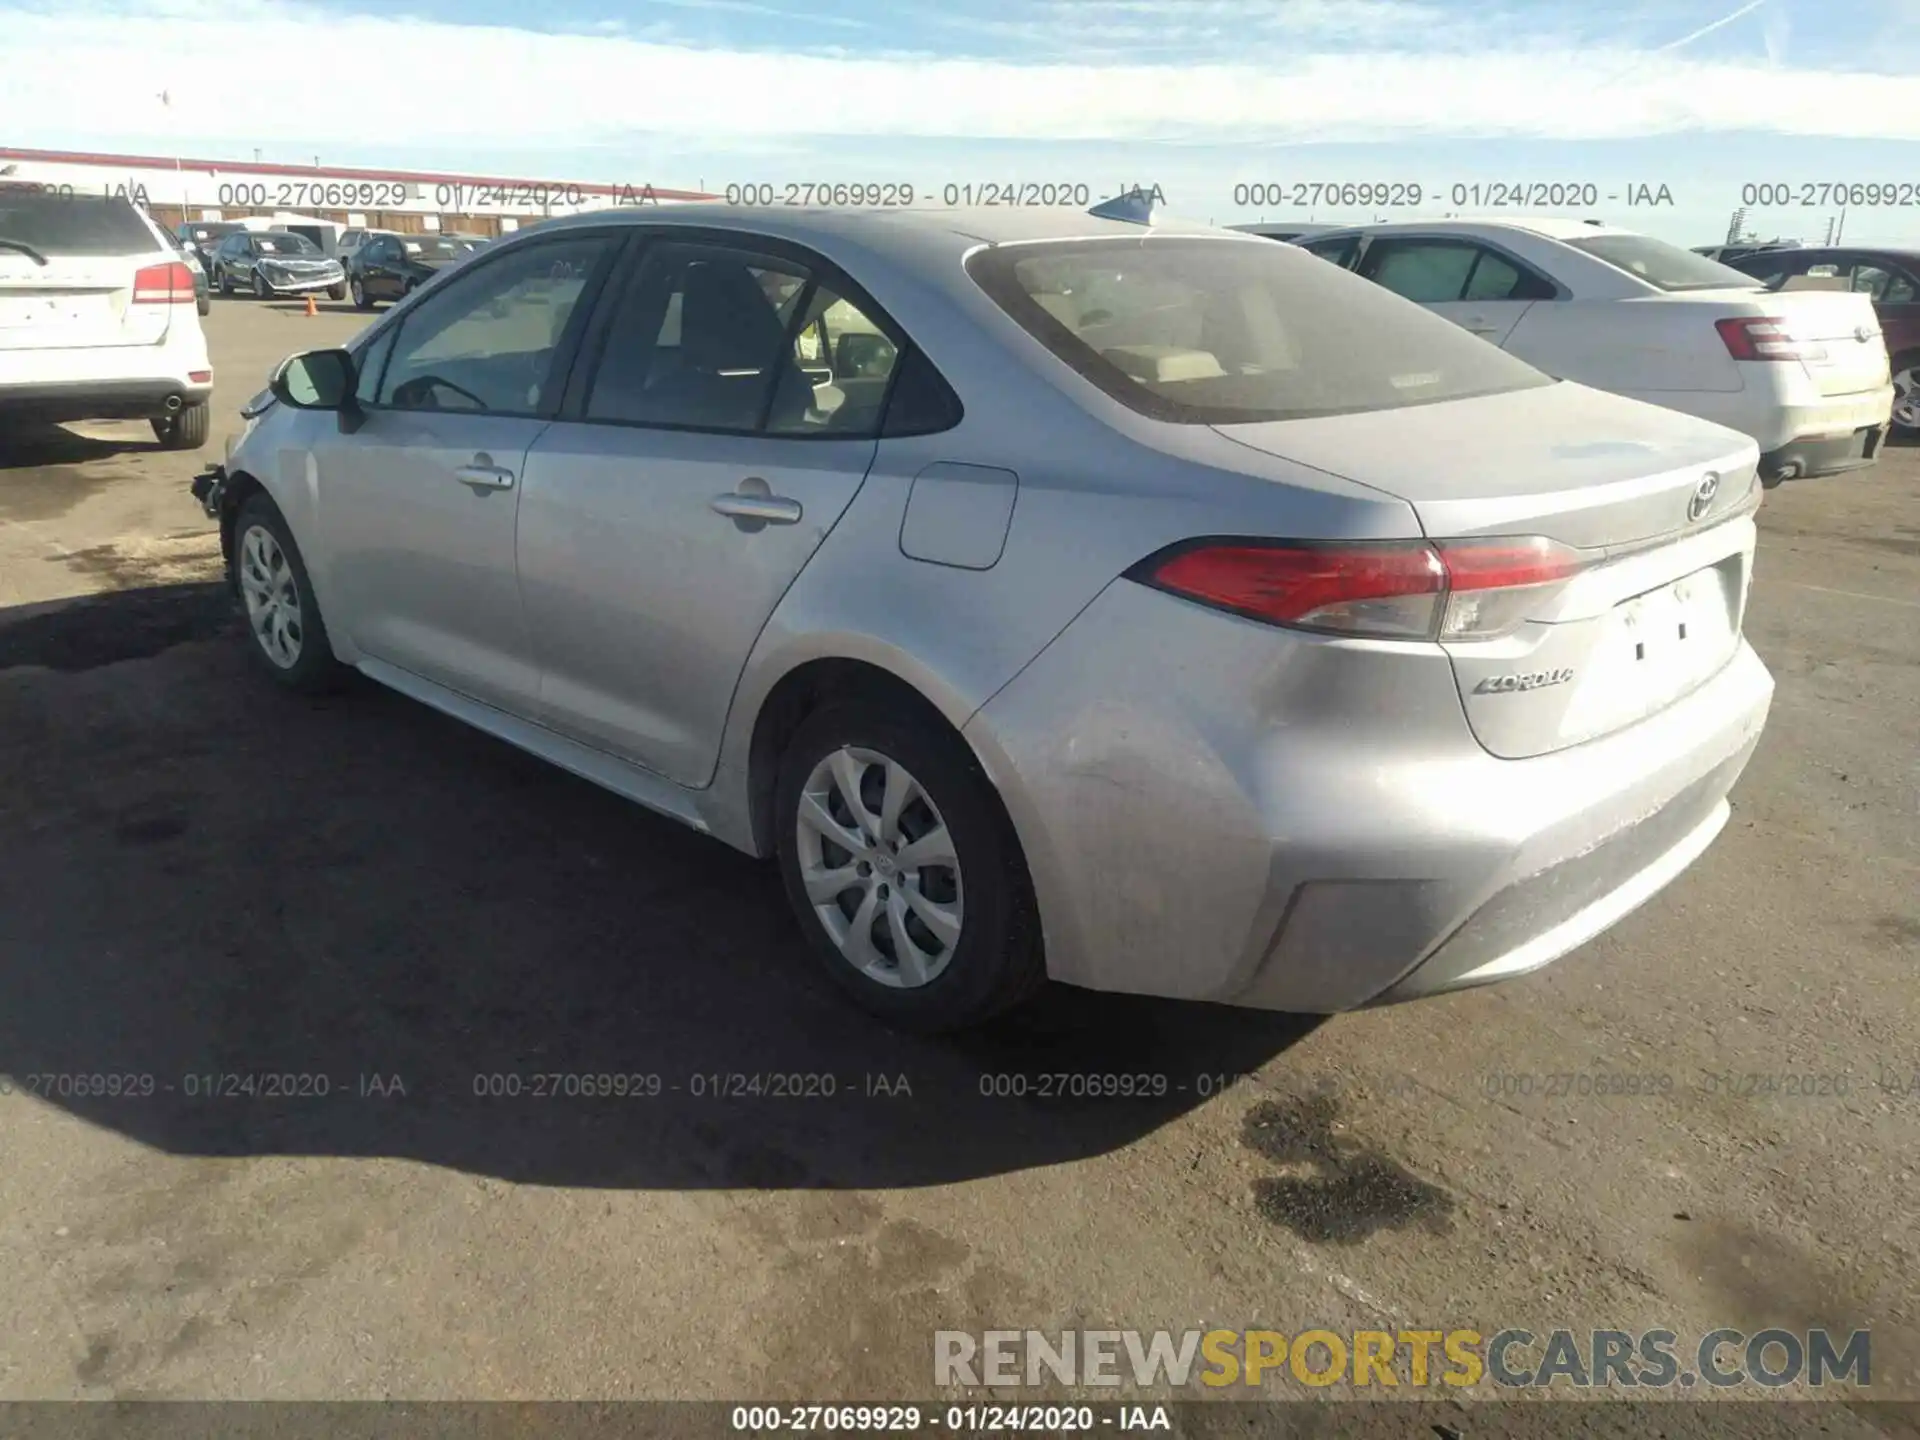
(97, 317)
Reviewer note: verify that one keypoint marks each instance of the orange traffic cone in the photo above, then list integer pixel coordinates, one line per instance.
(312, 309)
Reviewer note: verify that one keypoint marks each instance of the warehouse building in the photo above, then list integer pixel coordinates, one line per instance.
(175, 190)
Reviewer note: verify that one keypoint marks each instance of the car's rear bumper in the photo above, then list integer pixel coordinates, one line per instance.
(1824, 455)
(1781, 409)
(60, 401)
(1217, 810)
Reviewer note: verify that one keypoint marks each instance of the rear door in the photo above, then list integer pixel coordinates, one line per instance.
(68, 280)
(693, 477)
(1480, 290)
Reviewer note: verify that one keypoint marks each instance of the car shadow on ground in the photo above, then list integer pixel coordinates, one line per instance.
(235, 922)
(30, 445)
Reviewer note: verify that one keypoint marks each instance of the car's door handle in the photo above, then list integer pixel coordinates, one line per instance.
(773, 509)
(480, 476)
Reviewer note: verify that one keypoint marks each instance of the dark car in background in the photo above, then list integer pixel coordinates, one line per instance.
(203, 237)
(389, 267)
(202, 291)
(275, 262)
(1891, 276)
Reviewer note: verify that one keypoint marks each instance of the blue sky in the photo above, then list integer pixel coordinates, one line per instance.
(1198, 96)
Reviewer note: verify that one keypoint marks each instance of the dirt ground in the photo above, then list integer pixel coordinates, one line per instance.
(201, 877)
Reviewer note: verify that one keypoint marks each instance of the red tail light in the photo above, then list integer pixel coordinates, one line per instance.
(1765, 338)
(1396, 590)
(170, 284)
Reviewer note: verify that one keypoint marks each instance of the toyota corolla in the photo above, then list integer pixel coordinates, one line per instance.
(1078, 596)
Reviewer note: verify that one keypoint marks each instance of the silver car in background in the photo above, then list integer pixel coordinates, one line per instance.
(1134, 604)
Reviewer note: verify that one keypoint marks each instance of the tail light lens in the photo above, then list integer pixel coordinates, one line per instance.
(1396, 590)
(1766, 338)
(170, 284)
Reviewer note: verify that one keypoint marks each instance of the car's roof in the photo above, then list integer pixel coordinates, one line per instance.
(1909, 253)
(1302, 227)
(1553, 227)
(900, 232)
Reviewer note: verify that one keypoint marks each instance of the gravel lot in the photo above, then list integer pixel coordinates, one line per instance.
(200, 876)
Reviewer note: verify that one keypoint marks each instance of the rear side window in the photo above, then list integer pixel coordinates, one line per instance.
(1218, 332)
(1428, 272)
(1339, 251)
(922, 402)
(1663, 266)
(55, 224)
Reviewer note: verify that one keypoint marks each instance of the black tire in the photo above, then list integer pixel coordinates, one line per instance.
(261, 291)
(360, 300)
(336, 292)
(186, 429)
(998, 961)
(204, 304)
(314, 670)
(224, 281)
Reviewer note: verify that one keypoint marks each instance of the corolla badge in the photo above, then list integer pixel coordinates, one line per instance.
(1703, 493)
(1514, 684)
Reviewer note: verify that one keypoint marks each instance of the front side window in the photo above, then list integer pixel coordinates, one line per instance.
(1885, 284)
(1215, 332)
(488, 340)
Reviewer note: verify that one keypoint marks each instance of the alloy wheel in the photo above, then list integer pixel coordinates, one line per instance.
(272, 597)
(1906, 398)
(879, 867)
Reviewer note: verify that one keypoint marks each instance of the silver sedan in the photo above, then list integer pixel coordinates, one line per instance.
(1076, 596)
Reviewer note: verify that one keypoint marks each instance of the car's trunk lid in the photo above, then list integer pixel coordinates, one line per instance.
(1657, 502)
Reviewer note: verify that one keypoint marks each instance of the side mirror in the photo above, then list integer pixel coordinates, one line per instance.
(316, 380)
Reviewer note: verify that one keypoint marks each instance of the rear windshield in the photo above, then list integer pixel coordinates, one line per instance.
(285, 245)
(1221, 332)
(438, 249)
(56, 224)
(1663, 266)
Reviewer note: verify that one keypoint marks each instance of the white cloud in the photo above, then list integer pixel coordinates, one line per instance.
(264, 72)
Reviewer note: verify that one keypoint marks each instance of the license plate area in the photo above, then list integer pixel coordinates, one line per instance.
(1668, 639)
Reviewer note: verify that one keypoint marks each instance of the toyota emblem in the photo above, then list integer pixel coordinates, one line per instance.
(1863, 333)
(1703, 494)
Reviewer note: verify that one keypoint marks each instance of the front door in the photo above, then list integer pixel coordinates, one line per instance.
(419, 502)
(715, 449)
